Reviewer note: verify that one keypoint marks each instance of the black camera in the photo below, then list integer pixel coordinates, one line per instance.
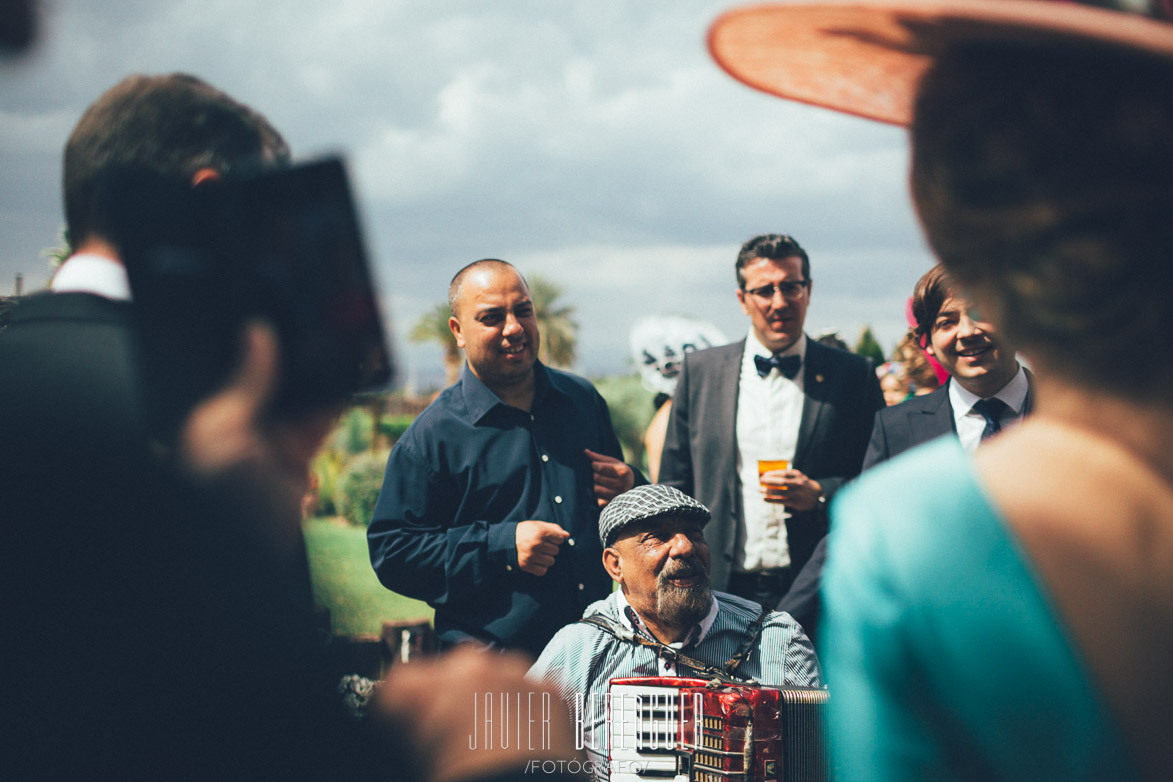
(282, 246)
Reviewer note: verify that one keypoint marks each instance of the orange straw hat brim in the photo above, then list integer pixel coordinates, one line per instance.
(866, 58)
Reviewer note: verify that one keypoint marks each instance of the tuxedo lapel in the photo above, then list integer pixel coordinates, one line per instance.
(816, 385)
(727, 376)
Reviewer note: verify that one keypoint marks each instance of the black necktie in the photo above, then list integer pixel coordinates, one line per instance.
(787, 365)
(991, 410)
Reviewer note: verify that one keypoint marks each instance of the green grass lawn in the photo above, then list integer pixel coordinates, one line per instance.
(345, 583)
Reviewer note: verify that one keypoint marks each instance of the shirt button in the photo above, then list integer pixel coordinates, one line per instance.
(509, 567)
(558, 499)
(545, 457)
(570, 542)
(581, 587)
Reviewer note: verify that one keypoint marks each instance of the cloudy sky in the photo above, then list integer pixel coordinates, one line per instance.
(593, 142)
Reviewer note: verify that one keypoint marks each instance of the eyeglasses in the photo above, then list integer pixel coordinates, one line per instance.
(791, 291)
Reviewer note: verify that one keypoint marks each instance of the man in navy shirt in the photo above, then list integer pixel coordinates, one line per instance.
(489, 509)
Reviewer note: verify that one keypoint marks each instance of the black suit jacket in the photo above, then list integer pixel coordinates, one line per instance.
(842, 395)
(912, 422)
(68, 369)
(145, 618)
(918, 420)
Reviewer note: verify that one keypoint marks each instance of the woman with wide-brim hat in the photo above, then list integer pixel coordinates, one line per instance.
(1010, 615)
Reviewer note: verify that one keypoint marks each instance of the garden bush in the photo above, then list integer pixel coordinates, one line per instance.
(328, 466)
(630, 405)
(352, 435)
(358, 488)
(393, 426)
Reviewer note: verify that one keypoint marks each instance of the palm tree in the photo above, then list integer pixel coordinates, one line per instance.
(433, 326)
(60, 252)
(559, 332)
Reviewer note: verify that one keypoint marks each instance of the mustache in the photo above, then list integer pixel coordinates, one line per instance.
(682, 568)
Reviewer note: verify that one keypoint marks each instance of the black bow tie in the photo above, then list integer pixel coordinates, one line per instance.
(787, 365)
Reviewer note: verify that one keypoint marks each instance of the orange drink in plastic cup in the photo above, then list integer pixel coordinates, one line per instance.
(766, 465)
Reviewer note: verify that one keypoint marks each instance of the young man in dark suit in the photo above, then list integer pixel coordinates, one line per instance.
(775, 395)
(987, 390)
(987, 387)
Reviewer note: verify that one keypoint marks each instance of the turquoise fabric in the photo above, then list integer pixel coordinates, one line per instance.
(942, 654)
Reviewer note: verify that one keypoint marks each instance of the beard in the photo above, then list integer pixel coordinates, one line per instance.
(681, 606)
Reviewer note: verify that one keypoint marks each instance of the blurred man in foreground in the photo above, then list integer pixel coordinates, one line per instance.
(158, 611)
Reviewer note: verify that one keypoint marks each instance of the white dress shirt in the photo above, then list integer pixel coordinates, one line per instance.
(769, 410)
(89, 273)
(970, 423)
(694, 636)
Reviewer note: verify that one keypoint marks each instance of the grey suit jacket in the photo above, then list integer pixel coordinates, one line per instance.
(842, 395)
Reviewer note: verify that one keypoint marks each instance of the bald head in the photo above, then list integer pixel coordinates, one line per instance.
(456, 287)
(494, 322)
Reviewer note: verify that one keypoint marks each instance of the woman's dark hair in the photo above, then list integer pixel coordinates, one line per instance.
(1043, 176)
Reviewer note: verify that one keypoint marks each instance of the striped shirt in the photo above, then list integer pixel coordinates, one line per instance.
(581, 659)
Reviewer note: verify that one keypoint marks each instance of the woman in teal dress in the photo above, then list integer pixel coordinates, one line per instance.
(948, 660)
(1009, 615)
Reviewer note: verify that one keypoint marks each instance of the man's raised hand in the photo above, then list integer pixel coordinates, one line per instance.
(537, 545)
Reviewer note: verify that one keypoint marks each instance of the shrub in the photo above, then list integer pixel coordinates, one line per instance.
(352, 435)
(393, 426)
(327, 466)
(359, 486)
(630, 405)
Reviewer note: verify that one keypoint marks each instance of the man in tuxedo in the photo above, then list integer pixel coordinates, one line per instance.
(776, 395)
(987, 387)
(987, 390)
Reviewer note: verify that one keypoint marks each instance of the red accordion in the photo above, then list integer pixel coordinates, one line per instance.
(696, 730)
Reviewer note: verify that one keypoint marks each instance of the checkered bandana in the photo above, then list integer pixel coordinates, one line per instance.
(646, 502)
